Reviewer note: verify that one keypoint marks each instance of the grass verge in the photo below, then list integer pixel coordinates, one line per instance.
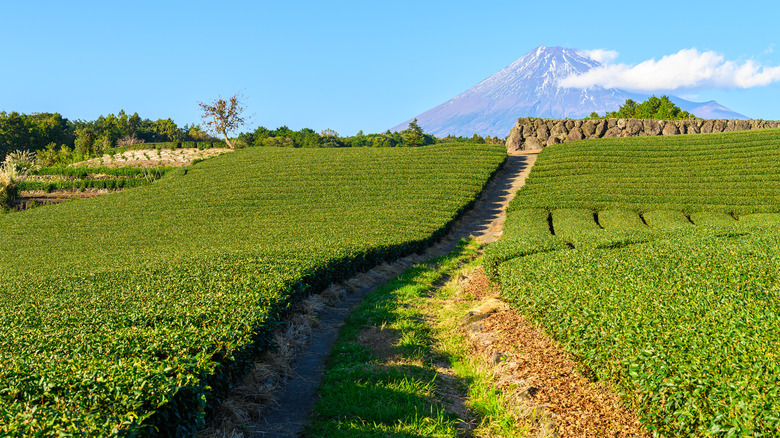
(400, 367)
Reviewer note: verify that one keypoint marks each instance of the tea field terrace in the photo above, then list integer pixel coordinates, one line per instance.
(655, 261)
(130, 313)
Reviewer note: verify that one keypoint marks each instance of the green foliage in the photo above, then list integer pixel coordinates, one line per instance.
(308, 138)
(734, 172)
(685, 325)
(34, 131)
(659, 108)
(108, 183)
(83, 171)
(80, 139)
(664, 278)
(132, 311)
(474, 139)
(52, 156)
(414, 136)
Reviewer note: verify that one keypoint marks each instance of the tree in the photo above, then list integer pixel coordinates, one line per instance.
(223, 117)
(414, 135)
(653, 108)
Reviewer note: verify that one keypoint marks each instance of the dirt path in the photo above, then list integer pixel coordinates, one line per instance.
(294, 401)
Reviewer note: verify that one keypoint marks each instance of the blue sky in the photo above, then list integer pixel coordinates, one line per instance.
(343, 65)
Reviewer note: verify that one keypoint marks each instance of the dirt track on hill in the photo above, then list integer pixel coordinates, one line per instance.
(287, 410)
(293, 402)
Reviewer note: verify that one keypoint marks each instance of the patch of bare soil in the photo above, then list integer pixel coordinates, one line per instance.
(154, 157)
(380, 341)
(539, 372)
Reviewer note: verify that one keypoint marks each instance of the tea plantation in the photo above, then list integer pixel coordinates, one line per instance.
(656, 261)
(128, 314)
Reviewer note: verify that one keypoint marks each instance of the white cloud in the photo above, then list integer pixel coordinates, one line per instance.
(600, 55)
(686, 69)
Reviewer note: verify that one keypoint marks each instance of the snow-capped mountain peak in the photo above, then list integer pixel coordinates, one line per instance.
(527, 88)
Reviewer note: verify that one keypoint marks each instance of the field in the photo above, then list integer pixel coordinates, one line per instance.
(655, 261)
(129, 313)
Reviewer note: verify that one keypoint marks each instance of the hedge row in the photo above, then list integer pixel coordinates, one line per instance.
(110, 183)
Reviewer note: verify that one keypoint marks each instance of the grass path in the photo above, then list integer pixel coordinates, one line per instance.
(399, 368)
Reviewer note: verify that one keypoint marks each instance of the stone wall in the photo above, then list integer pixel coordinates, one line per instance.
(531, 133)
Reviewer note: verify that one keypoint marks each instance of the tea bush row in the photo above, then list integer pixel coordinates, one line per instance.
(82, 172)
(686, 326)
(109, 183)
(736, 172)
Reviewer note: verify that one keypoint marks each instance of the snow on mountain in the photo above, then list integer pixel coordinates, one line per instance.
(529, 88)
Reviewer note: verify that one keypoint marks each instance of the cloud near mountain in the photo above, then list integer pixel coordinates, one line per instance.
(686, 69)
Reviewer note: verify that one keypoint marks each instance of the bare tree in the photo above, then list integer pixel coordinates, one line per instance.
(223, 116)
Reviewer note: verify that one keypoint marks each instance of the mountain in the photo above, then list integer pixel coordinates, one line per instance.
(529, 88)
(707, 110)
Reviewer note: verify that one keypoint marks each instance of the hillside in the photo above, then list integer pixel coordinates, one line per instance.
(655, 261)
(135, 308)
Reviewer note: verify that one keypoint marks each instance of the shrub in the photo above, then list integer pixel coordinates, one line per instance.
(19, 162)
(8, 188)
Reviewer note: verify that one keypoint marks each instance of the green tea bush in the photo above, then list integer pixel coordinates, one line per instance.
(686, 326)
(735, 172)
(666, 219)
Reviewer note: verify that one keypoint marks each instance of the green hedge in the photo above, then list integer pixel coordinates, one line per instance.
(118, 183)
(83, 171)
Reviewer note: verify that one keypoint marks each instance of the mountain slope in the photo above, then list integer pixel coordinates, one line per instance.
(529, 87)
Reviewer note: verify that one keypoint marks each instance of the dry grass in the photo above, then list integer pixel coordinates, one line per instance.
(547, 390)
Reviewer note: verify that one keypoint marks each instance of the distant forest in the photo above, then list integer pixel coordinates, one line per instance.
(307, 138)
(63, 141)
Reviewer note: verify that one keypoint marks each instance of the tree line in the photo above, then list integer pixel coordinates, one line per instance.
(308, 138)
(53, 132)
(56, 140)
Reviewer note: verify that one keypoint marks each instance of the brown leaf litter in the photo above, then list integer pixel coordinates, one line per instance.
(539, 372)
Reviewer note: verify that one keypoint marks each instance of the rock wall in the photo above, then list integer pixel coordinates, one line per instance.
(531, 133)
